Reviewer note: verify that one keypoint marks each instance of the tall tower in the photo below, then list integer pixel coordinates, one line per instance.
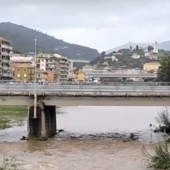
(155, 48)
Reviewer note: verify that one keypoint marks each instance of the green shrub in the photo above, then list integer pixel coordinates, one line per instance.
(8, 164)
(161, 157)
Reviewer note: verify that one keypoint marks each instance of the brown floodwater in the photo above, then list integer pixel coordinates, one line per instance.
(93, 139)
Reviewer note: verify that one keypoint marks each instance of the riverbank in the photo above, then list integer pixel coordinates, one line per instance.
(10, 115)
(13, 110)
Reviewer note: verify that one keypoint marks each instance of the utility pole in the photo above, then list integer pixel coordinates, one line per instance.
(35, 80)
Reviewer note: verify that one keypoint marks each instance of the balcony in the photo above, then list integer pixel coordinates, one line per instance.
(5, 53)
(6, 75)
(63, 74)
(64, 69)
(7, 47)
(63, 66)
(63, 62)
(50, 66)
(5, 68)
(5, 61)
(10, 48)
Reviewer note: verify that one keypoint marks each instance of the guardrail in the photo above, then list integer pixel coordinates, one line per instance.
(85, 90)
(135, 83)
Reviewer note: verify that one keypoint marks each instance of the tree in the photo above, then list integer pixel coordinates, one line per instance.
(150, 48)
(163, 73)
(103, 54)
(137, 48)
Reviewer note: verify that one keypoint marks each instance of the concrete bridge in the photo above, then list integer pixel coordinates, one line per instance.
(121, 75)
(43, 100)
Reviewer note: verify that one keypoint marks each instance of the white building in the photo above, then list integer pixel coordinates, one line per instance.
(89, 70)
(153, 57)
(145, 49)
(18, 59)
(147, 54)
(47, 62)
(113, 58)
(135, 56)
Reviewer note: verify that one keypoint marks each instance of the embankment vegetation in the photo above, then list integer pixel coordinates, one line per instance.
(160, 159)
(9, 164)
(12, 113)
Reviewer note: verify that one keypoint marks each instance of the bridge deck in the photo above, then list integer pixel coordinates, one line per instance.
(87, 101)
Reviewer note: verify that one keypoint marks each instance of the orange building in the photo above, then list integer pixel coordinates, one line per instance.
(23, 73)
(51, 76)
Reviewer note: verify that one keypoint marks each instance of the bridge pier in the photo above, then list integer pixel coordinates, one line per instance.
(44, 126)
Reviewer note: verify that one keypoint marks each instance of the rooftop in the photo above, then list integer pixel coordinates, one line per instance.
(24, 66)
(21, 58)
(3, 39)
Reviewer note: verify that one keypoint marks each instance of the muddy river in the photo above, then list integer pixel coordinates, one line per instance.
(93, 139)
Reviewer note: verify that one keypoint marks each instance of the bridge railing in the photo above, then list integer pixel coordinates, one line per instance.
(83, 89)
(136, 83)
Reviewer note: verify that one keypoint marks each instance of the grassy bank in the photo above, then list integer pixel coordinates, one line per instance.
(8, 113)
(13, 111)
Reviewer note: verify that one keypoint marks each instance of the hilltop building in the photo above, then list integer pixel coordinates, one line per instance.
(155, 48)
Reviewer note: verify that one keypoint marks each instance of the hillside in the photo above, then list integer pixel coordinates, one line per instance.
(22, 39)
(126, 59)
(162, 46)
(126, 46)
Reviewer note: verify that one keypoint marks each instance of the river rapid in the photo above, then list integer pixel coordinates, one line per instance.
(94, 138)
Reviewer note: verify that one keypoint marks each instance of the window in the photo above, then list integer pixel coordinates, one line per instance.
(18, 75)
(25, 75)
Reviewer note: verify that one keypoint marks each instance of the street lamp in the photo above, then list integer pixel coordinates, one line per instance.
(35, 80)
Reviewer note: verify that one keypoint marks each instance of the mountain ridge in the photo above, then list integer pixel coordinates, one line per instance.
(165, 45)
(22, 39)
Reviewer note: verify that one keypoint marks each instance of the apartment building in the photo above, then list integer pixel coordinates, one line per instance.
(49, 64)
(5, 54)
(63, 67)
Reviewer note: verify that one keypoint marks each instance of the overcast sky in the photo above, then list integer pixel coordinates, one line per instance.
(101, 24)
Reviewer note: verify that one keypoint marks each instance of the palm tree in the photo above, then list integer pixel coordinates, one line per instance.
(163, 73)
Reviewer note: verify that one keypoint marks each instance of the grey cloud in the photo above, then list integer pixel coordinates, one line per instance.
(119, 19)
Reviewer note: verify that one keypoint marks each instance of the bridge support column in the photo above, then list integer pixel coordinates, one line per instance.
(44, 125)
